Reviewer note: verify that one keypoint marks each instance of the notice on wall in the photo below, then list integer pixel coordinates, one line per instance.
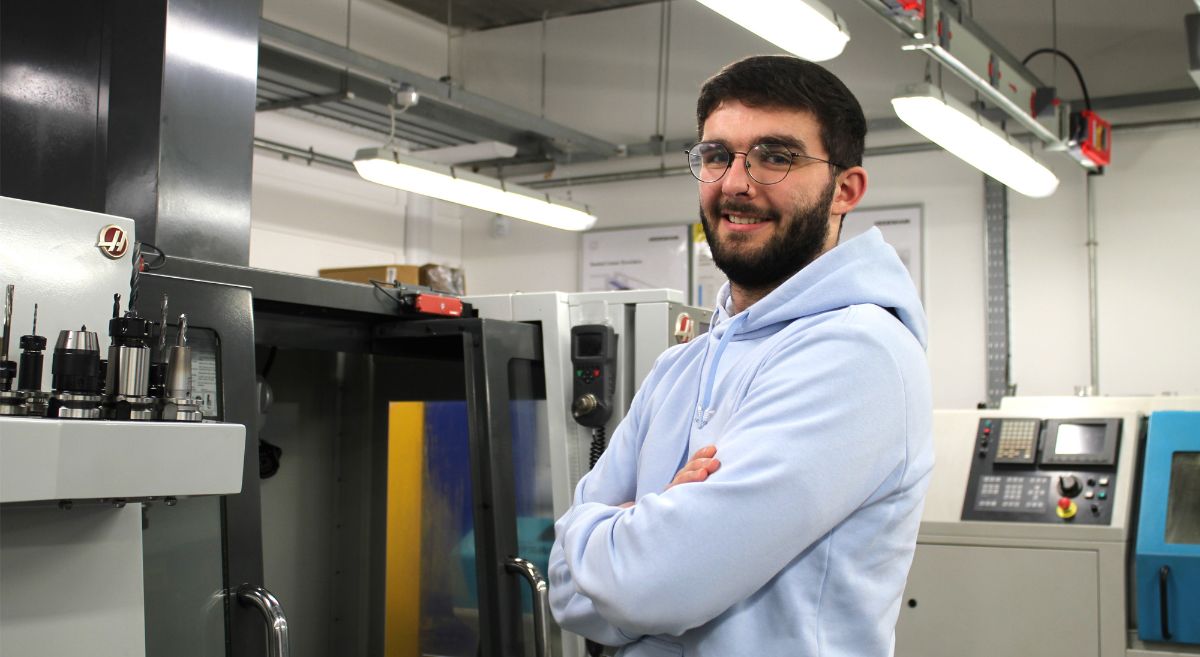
(706, 278)
(901, 227)
(635, 259)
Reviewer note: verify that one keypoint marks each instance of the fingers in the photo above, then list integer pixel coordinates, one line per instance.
(702, 464)
(706, 452)
(698, 468)
(697, 474)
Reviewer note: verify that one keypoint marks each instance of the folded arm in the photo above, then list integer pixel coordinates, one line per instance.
(816, 436)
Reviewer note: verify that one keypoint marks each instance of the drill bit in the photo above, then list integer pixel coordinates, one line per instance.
(34, 320)
(8, 302)
(182, 341)
(162, 332)
(116, 305)
(134, 279)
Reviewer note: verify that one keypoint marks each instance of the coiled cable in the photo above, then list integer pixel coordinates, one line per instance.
(599, 443)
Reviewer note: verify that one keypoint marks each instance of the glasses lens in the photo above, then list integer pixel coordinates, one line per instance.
(769, 163)
(708, 161)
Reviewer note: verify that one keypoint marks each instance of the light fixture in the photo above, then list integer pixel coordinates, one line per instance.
(476, 152)
(387, 166)
(954, 127)
(805, 28)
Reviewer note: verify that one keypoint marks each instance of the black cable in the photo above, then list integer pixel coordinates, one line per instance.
(160, 258)
(387, 292)
(1087, 100)
(599, 442)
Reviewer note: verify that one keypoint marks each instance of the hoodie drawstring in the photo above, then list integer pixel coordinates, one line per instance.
(703, 412)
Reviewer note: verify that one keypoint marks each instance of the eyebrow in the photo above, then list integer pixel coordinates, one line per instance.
(793, 143)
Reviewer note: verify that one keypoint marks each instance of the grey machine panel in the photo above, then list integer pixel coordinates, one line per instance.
(1009, 608)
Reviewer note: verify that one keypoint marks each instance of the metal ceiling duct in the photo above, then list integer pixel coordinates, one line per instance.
(487, 14)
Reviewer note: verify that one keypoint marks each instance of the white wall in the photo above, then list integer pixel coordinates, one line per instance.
(306, 218)
(1149, 231)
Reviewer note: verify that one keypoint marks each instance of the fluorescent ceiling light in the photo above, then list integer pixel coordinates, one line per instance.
(389, 167)
(805, 28)
(477, 152)
(954, 127)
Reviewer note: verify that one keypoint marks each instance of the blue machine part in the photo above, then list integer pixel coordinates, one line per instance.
(1167, 565)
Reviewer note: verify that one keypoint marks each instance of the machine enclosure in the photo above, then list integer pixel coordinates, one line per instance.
(1170, 433)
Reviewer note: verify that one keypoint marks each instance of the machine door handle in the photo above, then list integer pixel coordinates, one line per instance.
(1164, 574)
(541, 601)
(277, 626)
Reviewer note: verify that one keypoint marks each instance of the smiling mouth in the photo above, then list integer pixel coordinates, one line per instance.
(743, 221)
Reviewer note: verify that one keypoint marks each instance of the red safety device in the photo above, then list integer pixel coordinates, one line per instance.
(913, 5)
(433, 304)
(1097, 144)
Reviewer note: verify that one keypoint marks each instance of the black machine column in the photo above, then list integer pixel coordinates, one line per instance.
(143, 110)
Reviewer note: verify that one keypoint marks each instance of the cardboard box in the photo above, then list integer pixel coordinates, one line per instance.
(406, 274)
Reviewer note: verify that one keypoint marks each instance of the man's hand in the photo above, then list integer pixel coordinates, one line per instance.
(698, 468)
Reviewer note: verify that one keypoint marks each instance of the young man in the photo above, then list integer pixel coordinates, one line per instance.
(806, 410)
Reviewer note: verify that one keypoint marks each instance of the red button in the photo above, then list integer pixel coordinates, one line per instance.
(1064, 503)
(595, 372)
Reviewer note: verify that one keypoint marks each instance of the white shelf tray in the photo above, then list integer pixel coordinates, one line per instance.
(44, 459)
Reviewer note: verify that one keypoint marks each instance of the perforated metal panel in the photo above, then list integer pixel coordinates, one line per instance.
(995, 251)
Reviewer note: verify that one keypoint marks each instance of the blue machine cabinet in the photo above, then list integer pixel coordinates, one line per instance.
(1167, 564)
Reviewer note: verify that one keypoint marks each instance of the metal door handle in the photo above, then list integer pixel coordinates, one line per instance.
(272, 611)
(1163, 574)
(541, 601)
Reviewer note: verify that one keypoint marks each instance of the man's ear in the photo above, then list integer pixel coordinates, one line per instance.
(851, 186)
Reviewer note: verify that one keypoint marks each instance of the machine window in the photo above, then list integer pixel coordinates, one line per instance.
(1183, 499)
(1080, 439)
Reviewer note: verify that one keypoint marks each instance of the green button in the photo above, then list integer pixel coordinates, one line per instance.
(1102, 494)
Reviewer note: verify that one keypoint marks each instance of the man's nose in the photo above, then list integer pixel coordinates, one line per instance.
(737, 181)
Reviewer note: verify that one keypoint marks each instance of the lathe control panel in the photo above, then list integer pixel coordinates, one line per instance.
(1043, 470)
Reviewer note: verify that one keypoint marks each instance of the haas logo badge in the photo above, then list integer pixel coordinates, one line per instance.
(113, 241)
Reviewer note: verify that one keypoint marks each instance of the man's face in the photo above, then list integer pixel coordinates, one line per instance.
(762, 234)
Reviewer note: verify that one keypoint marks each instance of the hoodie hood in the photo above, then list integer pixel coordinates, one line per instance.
(862, 270)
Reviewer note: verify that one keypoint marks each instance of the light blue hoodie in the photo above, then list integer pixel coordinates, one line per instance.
(800, 543)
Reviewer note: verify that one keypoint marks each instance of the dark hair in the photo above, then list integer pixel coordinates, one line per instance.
(779, 81)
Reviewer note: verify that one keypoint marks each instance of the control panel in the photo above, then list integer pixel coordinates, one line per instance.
(1046, 471)
(594, 361)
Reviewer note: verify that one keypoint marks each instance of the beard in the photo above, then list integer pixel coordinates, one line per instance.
(801, 241)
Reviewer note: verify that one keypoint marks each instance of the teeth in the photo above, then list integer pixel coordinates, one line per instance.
(742, 220)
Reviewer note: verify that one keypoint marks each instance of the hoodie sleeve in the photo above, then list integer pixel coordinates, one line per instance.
(819, 432)
(612, 482)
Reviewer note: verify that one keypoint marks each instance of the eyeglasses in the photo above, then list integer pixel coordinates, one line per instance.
(766, 164)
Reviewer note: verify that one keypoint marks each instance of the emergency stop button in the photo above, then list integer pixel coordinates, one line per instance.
(1066, 508)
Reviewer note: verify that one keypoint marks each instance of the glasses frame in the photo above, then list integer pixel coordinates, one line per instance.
(746, 161)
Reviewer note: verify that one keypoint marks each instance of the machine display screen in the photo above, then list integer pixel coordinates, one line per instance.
(1080, 439)
(1183, 499)
(588, 345)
